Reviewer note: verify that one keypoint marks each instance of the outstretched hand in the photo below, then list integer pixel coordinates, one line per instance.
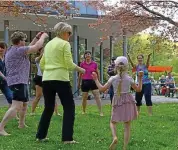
(140, 74)
(39, 34)
(94, 76)
(45, 35)
(83, 71)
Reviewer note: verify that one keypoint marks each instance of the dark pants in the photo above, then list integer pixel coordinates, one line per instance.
(111, 93)
(20, 92)
(146, 91)
(7, 92)
(170, 90)
(63, 89)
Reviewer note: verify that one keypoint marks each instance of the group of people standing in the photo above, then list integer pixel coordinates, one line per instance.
(54, 64)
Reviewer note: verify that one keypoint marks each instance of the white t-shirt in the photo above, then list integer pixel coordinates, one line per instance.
(39, 73)
(127, 82)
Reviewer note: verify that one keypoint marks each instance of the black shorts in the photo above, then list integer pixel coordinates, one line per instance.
(88, 85)
(38, 80)
(20, 92)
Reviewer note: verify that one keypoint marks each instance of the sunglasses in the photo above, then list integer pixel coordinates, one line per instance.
(24, 39)
(2, 47)
(70, 33)
(87, 54)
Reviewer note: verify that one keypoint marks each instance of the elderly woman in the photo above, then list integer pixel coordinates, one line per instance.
(17, 69)
(56, 63)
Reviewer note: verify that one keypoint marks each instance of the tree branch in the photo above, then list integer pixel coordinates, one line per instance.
(174, 2)
(158, 14)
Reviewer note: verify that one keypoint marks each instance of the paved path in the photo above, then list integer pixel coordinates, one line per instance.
(155, 99)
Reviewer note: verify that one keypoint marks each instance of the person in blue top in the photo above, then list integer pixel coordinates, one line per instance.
(3, 83)
(146, 87)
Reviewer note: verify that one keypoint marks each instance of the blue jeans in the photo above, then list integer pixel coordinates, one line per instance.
(7, 92)
(111, 93)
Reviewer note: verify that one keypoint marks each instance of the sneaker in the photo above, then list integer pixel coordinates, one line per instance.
(42, 140)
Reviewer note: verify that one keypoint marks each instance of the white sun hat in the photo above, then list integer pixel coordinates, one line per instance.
(121, 59)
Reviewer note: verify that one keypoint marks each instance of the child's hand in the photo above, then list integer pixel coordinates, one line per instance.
(94, 76)
(140, 74)
(106, 92)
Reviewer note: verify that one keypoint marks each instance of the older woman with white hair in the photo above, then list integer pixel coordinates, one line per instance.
(56, 63)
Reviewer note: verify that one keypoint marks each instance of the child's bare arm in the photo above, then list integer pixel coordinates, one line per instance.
(138, 88)
(101, 87)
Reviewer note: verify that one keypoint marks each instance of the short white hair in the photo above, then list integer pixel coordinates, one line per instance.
(61, 28)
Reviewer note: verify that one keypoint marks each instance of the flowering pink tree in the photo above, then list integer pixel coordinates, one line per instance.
(132, 16)
(29, 9)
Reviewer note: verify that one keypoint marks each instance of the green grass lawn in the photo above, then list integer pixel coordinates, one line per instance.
(159, 132)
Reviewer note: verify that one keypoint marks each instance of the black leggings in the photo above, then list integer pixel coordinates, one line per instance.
(63, 89)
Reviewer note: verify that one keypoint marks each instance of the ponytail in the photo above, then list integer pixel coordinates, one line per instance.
(120, 82)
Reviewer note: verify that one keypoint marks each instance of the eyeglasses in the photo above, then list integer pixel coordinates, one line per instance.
(87, 54)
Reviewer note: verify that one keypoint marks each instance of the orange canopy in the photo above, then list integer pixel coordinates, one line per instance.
(157, 69)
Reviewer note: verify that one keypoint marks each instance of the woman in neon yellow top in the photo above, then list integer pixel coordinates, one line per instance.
(56, 63)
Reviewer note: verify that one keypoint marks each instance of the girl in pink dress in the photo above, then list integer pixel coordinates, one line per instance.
(123, 104)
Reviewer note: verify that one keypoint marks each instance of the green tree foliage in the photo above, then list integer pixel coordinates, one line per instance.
(163, 51)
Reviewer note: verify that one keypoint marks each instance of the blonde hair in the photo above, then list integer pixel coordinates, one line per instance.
(61, 28)
(120, 69)
(163, 76)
